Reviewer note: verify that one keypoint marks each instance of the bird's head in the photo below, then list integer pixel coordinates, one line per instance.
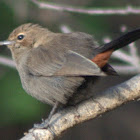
(25, 37)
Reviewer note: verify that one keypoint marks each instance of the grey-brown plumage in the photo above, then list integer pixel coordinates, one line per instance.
(58, 68)
(41, 55)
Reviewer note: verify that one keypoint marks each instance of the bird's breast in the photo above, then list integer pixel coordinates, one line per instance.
(49, 89)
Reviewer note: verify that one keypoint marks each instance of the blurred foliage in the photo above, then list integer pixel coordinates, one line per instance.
(93, 25)
(7, 19)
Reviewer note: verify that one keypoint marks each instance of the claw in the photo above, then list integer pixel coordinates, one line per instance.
(43, 125)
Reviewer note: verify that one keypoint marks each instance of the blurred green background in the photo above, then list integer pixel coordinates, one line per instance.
(19, 111)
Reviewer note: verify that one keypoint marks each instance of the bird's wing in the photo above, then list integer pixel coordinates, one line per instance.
(41, 62)
(76, 64)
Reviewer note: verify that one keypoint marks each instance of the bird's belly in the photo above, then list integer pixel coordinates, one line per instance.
(51, 89)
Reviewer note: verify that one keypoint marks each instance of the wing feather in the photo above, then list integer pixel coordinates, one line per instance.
(44, 63)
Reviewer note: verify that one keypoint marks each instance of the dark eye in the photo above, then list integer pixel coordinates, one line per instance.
(20, 37)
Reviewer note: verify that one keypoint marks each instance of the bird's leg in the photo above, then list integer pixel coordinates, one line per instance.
(53, 111)
(45, 123)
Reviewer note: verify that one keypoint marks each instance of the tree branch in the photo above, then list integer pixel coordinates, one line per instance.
(7, 61)
(96, 11)
(89, 109)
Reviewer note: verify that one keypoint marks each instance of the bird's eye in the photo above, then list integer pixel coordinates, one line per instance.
(20, 37)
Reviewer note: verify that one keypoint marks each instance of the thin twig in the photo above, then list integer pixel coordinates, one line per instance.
(91, 11)
(7, 61)
(126, 70)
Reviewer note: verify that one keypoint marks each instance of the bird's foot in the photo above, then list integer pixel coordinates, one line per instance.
(43, 125)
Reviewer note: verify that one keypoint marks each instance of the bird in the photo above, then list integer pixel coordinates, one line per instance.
(59, 68)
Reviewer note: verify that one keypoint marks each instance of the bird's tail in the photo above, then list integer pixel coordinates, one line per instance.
(121, 41)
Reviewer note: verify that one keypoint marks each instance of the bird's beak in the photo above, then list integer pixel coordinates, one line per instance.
(6, 42)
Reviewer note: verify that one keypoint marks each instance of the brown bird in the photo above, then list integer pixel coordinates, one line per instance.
(59, 68)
